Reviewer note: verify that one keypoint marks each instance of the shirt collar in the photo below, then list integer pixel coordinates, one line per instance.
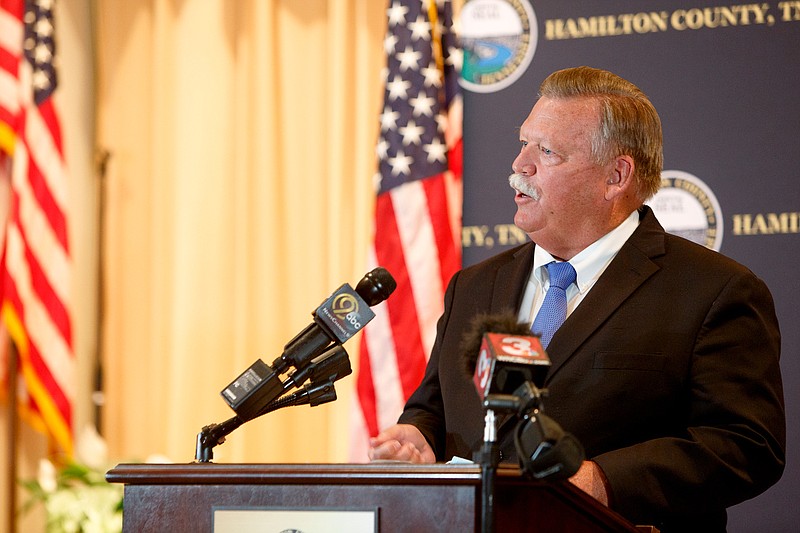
(590, 263)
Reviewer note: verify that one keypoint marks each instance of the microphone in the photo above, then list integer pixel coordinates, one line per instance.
(504, 355)
(488, 323)
(545, 450)
(510, 366)
(334, 364)
(331, 366)
(336, 320)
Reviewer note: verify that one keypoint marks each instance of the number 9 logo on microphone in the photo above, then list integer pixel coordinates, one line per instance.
(343, 305)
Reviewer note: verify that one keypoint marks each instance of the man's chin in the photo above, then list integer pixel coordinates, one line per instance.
(523, 222)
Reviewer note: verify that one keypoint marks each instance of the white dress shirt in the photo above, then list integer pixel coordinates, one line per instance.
(589, 265)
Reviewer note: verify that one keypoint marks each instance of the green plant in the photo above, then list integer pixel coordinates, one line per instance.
(76, 496)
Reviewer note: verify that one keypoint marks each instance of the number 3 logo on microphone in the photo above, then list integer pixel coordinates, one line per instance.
(519, 346)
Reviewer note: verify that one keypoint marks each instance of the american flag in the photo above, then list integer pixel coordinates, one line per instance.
(36, 261)
(418, 208)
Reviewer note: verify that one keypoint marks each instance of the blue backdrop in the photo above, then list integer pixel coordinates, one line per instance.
(726, 82)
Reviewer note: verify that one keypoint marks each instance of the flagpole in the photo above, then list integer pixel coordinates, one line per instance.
(13, 436)
(98, 396)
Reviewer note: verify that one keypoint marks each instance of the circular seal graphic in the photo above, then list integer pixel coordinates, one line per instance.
(499, 38)
(685, 206)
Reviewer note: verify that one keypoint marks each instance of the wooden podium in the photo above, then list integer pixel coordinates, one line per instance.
(403, 497)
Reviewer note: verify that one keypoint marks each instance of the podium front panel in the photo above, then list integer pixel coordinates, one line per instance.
(405, 497)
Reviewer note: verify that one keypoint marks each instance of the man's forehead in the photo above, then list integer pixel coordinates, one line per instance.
(562, 113)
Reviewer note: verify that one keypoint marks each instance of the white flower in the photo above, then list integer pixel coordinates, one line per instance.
(76, 497)
(99, 504)
(47, 476)
(64, 509)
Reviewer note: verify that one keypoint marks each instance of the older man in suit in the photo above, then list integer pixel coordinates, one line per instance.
(666, 368)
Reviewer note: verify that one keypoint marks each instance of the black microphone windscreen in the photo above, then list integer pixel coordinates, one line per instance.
(488, 323)
(545, 450)
(376, 286)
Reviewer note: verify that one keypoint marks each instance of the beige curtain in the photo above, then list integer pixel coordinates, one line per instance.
(238, 196)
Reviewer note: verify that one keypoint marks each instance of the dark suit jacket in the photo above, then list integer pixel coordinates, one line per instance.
(667, 373)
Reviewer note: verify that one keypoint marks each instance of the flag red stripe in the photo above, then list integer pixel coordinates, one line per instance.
(366, 388)
(402, 311)
(61, 402)
(48, 114)
(455, 158)
(48, 206)
(9, 61)
(436, 193)
(6, 119)
(14, 7)
(56, 310)
(40, 367)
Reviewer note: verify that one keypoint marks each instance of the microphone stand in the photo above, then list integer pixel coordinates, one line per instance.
(313, 394)
(526, 397)
(488, 458)
(329, 367)
(213, 434)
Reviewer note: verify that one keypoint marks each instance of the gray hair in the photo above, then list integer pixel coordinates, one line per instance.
(629, 123)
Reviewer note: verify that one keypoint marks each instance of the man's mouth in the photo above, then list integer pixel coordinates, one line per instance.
(523, 188)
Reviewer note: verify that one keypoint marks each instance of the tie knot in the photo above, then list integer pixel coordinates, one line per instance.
(562, 275)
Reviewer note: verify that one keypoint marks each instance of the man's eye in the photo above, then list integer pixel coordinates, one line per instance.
(545, 150)
(524, 143)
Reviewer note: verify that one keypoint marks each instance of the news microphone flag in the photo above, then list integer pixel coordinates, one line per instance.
(418, 209)
(336, 320)
(36, 262)
(507, 361)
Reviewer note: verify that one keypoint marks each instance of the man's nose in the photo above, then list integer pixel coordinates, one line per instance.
(523, 164)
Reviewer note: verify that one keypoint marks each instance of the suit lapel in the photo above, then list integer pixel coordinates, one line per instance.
(509, 287)
(632, 266)
(510, 280)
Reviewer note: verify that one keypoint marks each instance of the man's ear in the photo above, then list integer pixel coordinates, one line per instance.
(621, 180)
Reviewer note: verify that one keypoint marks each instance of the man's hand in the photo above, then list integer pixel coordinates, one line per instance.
(401, 442)
(591, 480)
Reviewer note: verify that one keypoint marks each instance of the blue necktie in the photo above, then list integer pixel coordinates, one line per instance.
(554, 308)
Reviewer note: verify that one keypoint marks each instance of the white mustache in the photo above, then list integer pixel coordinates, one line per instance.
(520, 184)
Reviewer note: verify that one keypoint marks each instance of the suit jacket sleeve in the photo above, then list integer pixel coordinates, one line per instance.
(732, 444)
(445, 407)
(425, 408)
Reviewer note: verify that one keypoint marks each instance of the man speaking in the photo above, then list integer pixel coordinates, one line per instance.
(664, 354)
